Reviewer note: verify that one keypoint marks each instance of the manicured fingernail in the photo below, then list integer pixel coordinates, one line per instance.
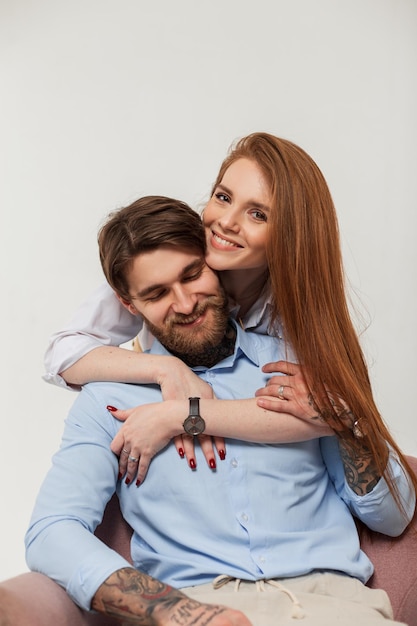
(127, 481)
(222, 455)
(111, 408)
(138, 482)
(120, 476)
(212, 464)
(192, 463)
(181, 452)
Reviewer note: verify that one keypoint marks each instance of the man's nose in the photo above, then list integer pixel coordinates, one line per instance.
(184, 300)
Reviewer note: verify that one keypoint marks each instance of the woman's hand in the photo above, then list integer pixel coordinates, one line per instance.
(178, 382)
(147, 429)
(185, 447)
(288, 392)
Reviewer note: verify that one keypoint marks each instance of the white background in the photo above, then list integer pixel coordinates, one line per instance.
(103, 101)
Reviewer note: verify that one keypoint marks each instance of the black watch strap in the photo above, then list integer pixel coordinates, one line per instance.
(194, 423)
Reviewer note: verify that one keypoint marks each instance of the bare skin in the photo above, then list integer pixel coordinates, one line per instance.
(149, 428)
(136, 598)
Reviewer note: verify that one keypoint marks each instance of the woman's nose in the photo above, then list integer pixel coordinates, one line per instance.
(230, 221)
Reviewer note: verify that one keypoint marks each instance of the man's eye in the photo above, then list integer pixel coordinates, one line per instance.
(193, 276)
(155, 296)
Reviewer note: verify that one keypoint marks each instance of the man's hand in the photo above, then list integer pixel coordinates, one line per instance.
(136, 598)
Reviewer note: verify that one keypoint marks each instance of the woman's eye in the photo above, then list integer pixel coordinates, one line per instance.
(260, 216)
(222, 197)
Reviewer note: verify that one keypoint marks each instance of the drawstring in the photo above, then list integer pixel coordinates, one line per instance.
(297, 610)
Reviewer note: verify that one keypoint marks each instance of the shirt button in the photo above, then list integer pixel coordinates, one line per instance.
(234, 463)
(244, 517)
(262, 559)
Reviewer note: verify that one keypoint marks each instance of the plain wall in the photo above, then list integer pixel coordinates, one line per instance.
(104, 101)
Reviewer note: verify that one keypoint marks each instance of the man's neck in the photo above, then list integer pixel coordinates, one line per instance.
(211, 355)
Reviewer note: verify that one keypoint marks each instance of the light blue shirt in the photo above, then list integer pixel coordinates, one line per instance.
(267, 511)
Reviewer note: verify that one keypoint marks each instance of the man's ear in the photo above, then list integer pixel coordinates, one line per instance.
(128, 305)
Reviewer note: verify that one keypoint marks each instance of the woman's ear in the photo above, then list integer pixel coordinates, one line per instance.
(128, 305)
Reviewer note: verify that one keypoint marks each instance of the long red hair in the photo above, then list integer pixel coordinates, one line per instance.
(308, 288)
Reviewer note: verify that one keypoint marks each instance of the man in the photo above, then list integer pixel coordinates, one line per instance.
(269, 512)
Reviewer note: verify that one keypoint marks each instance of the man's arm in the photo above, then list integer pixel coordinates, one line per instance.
(136, 598)
(361, 472)
(365, 492)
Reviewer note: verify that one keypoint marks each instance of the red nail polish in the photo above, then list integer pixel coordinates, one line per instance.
(120, 476)
(127, 481)
(222, 455)
(110, 408)
(138, 482)
(212, 464)
(192, 463)
(181, 452)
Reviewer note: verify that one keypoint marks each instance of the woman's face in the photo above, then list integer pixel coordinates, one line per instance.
(236, 219)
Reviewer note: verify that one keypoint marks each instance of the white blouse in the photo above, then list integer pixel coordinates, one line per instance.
(102, 320)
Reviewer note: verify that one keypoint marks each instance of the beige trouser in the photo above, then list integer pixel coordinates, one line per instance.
(318, 599)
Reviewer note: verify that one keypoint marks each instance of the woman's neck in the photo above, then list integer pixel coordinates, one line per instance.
(244, 287)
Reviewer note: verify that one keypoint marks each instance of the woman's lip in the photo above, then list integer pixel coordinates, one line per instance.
(222, 243)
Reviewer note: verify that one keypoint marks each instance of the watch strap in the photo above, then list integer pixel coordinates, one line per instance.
(194, 423)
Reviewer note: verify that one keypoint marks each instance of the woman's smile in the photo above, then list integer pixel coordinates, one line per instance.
(236, 219)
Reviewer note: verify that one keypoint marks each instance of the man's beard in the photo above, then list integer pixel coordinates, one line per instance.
(205, 345)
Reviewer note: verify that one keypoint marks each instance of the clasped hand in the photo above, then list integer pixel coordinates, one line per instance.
(147, 429)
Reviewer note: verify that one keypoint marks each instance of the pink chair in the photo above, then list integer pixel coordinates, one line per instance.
(34, 600)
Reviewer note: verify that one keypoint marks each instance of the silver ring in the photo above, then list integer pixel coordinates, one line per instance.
(133, 459)
(125, 451)
(281, 392)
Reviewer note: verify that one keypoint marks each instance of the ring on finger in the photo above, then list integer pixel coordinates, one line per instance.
(133, 459)
(281, 392)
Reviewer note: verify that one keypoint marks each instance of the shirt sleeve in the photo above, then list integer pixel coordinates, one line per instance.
(101, 320)
(60, 541)
(377, 509)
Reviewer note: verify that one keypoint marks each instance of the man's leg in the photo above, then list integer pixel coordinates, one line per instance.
(319, 599)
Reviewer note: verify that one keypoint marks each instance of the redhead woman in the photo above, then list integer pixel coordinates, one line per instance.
(272, 234)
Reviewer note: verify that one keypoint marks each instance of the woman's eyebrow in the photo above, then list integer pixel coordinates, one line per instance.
(253, 203)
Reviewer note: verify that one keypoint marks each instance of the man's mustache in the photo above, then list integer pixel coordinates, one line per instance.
(215, 302)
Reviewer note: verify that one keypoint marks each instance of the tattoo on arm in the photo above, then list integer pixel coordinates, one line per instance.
(131, 595)
(361, 472)
(136, 598)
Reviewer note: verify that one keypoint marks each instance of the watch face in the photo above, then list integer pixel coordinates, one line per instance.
(194, 425)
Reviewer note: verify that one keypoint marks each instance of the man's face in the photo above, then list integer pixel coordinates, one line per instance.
(180, 299)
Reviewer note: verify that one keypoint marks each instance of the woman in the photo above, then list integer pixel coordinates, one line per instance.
(272, 233)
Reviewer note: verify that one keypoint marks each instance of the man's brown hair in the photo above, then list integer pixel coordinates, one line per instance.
(143, 226)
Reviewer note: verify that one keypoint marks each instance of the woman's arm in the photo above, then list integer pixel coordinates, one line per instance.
(101, 320)
(175, 378)
(150, 428)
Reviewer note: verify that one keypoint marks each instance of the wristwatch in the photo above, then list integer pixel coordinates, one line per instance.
(194, 423)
